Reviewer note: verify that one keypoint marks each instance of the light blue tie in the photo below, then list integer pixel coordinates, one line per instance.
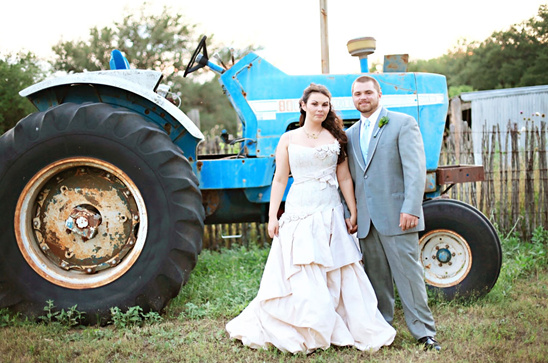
(364, 139)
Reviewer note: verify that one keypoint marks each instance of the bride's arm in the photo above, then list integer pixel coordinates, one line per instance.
(279, 184)
(347, 189)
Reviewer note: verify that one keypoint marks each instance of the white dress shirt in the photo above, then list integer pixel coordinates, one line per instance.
(366, 129)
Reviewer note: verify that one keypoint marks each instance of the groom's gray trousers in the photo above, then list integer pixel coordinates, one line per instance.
(389, 259)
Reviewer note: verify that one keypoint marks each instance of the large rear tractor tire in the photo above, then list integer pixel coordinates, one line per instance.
(99, 209)
(459, 249)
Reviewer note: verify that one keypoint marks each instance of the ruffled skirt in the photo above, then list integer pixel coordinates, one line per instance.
(314, 291)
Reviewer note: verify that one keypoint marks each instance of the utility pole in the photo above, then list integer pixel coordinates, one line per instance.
(324, 36)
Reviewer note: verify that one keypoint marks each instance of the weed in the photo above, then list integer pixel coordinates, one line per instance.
(9, 319)
(134, 316)
(50, 313)
(540, 236)
(193, 311)
(70, 318)
(152, 317)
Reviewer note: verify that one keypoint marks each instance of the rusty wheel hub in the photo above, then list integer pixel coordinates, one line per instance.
(446, 257)
(80, 223)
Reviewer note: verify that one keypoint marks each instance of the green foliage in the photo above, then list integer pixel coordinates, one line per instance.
(227, 57)
(69, 318)
(457, 90)
(149, 41)
(520, 259)
(16, 73)
(222, 284)
(515, 57)
(134, 316)
(540, 235)
(8, 319)
(208, 98)
(161, 42)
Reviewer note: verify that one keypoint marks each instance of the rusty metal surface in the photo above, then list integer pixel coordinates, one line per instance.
(75, 248)
(84, 220)
(430, 185)
(80, 217)
(453, 174)
(395, 63)
(210, 201)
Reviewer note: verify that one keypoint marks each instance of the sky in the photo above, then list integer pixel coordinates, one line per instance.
(288, 30)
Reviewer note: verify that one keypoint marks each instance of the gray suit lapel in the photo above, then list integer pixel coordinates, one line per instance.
(356, 149)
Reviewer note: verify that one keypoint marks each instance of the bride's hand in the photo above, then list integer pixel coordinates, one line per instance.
(351, 224)
(273, 227)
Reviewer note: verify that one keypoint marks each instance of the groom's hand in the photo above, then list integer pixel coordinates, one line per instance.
(408, 221)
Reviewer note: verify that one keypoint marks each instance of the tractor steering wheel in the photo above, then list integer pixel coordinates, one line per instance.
(203, 60)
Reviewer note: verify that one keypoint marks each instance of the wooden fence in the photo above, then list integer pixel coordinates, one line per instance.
(219, 236)
(514, 194)
(515, 190)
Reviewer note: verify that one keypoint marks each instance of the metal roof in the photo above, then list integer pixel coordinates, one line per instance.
(472, 96)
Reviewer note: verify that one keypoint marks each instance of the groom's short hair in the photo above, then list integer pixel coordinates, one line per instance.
(364, 79)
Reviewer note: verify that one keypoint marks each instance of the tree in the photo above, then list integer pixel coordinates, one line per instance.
(160, 42)
(16, 72)
(515, 57)
(148, 41)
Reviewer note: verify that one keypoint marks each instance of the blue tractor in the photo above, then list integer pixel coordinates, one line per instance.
(104, 197)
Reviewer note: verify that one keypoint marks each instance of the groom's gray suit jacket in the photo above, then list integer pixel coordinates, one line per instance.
(393, 178)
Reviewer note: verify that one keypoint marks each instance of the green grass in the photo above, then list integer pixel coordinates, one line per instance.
(221, 285)
(510, 324)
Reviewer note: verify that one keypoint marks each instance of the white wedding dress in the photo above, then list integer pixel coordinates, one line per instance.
(314, 291)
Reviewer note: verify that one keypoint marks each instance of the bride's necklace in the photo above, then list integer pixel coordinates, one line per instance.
(312, 135)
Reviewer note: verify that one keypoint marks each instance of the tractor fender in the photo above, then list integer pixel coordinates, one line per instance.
(140, 82)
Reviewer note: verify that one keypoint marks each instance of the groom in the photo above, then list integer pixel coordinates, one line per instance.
(387, 163)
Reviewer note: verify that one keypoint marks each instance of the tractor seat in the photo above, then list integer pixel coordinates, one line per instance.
(118, 60)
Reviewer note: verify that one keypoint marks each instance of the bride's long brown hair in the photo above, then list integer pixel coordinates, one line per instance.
(332, 122)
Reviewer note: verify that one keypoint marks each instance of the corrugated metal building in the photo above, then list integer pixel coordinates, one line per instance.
(517, 105)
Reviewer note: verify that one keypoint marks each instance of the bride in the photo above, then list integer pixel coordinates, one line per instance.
(314, 291)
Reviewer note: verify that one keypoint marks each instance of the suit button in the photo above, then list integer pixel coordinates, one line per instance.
(365, 177)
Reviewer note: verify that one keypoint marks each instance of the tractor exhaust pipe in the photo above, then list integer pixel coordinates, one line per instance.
(362, 47)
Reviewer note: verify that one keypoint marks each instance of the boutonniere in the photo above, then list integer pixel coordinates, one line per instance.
(383, 121)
